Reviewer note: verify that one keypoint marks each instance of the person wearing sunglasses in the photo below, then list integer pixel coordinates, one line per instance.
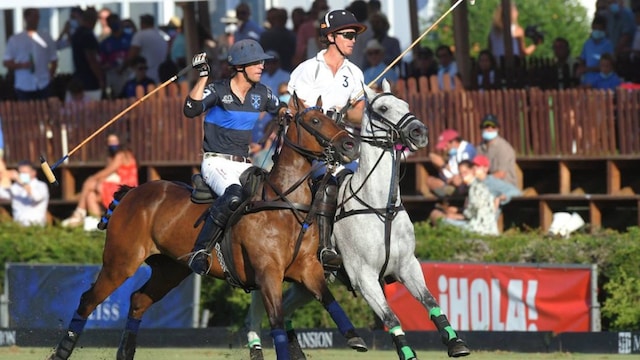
(139, 67)
(232, 107)
(339, 82)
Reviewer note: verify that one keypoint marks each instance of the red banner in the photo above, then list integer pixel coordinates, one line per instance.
(497, 297)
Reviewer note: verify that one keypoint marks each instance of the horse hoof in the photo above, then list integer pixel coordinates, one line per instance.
(457, 348)
(357, 344)
(255, 353)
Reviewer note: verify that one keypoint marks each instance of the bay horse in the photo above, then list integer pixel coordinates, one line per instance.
(273, 241)
(372, 230)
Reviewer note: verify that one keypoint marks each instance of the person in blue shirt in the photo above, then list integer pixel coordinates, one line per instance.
(596, 45)
(232, 107)
(448, 181)
(139, 65)
(247, 28)
(606, 78)
(375, 54)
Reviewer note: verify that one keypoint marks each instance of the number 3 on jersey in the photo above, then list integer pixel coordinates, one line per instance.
(346, 81)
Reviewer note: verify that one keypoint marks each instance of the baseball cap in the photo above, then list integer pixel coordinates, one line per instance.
(481, 160)
(446, 136)
(489, 120)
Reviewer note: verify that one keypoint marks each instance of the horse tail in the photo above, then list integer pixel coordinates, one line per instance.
(117, 196)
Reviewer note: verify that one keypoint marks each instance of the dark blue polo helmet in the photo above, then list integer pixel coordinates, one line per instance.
(245, 52)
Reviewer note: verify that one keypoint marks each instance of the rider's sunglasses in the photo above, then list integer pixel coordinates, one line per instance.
(350, 35)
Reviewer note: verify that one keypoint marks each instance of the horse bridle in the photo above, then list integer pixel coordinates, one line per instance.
(329, 151)
(393, 130)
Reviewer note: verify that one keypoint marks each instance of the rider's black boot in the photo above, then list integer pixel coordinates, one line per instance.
(327, 204)
(215, 223)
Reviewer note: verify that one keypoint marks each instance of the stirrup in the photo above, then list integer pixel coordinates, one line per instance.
(330, 259)
(198, 262)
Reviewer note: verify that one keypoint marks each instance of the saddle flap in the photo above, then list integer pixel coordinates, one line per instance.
(201, 193)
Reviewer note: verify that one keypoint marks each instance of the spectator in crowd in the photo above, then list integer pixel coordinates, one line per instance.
(496, 35)
(32, 56)
(380, 26)
(84, 47)
(279, 38)
(64, 39)
(178, 46)
(374, 7)
(501, 154)
(140, 68)
(76, 93)
(273, 74)
(596, 45)
(29, 196)
(150, 43)
(449, 180)
(606, 79)
(129, 27)
(620, 25)
(298, 17)
(565, 65)
(424, 64)
(447, 66)
(1, 141)
(360, 10)
(97, 189)
(479, 214)
(247, 28)
(307, 43)
(113, 52)
(375, 53)
(105, 27)
(500, 189)
(487, 77)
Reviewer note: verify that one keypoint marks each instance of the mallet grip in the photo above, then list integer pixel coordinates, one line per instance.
(46, 169)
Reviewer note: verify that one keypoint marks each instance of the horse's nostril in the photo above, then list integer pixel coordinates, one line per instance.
(348, 145)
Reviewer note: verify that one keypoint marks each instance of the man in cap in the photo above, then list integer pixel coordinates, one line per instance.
(232, 108)
(500, 153)
(449, 180)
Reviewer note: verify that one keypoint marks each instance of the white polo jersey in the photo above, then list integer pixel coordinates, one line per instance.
(314, 78)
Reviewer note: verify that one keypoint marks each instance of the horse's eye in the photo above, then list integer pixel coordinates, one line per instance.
(315, 121)
(384, 108)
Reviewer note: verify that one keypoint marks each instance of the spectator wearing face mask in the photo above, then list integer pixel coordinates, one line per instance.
(596, 45)
(479, 214)
(606, 79)
(501, 154)
(448, 181)
(29, 196)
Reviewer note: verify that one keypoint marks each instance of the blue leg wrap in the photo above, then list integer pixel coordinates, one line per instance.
(77, 323)
(339, 317)
(133, 325)
(281, 343)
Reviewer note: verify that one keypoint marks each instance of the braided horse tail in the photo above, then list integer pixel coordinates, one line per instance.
(117, 196)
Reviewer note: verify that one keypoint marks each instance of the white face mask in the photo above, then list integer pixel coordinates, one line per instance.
(25, 178)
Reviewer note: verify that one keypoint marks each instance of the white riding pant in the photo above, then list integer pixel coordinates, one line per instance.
(219, 173)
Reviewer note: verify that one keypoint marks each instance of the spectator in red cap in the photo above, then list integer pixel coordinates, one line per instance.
(500, 153)
(480, 211)
(502, 190)
(448, 180)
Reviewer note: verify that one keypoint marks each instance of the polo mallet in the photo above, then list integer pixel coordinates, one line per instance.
(48, 170)
(395, 61)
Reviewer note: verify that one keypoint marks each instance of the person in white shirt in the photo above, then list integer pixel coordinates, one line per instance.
(150, 43)
(32, 56)
(29, 196)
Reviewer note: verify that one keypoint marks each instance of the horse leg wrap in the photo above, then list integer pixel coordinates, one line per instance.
(339, 317)
(128, 342)
(281, 344)
(405, 352)
(444, 328)
(66, 346)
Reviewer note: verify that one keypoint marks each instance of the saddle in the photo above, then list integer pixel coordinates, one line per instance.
(250, 181)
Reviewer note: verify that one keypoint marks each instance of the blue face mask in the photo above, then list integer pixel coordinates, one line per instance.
(453, 152)
(489, 135)
(598, 34)
(73, 24)
(284, 98)
(614, 8)
(128, 30)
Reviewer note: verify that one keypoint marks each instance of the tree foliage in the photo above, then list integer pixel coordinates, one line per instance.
(567, 19)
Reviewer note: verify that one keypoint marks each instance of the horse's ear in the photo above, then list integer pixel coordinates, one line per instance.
(386, 87)
(299, 104)
(370, 93)
(319, 102)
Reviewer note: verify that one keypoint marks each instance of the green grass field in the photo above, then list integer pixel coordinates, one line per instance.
(16, 353)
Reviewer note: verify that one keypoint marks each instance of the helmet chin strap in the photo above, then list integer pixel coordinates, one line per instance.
(337, 47)
(246, 77)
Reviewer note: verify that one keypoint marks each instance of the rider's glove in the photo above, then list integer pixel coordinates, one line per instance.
(200, 63)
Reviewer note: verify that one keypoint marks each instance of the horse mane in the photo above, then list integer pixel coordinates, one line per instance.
(122, 191)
